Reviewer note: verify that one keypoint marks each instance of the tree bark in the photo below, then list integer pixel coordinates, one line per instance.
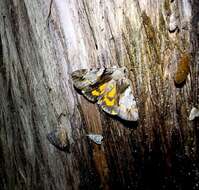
(42, 42)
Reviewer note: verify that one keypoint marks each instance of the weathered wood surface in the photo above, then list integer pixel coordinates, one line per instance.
(42, 42)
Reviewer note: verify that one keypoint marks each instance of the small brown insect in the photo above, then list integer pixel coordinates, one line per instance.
(182, 69)
(59, 138)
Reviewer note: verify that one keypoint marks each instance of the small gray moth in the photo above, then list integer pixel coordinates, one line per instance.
(59, 138)
(193, 114)
(95, 138)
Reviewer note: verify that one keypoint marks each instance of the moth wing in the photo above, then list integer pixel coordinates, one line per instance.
(59, 138)
(92, 93)
(83, 78)
(127, 108)
(92, 83)
(108, 100)
(96, 138)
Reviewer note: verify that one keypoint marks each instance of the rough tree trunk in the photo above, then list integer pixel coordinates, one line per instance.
(42, 42)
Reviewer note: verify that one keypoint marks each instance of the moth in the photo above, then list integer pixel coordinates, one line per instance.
(182, 69)
(59, 138)
(110, 89)
(173, 23)
(95, 138)
(193, 114)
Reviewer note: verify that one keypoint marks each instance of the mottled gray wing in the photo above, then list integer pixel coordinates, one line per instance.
(92, 82)
(59, 138)
(84, 77)
(127, 107)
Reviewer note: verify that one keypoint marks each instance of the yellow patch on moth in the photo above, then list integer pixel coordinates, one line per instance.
(99, 91)
(182, 69)
(102, 87)
(95, 93)
(112, 93)
(109, 102)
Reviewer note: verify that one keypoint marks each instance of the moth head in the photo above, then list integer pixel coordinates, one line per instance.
(120, 73)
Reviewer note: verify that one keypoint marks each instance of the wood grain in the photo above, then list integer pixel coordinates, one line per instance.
(42, 42)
